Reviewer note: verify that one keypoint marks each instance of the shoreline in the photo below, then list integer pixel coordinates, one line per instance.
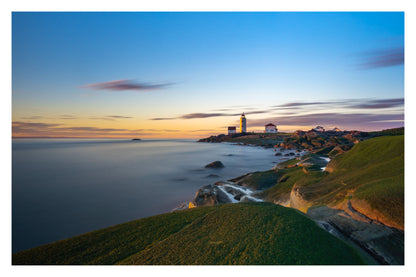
(338, 222)
(233, 190)
(343, 221)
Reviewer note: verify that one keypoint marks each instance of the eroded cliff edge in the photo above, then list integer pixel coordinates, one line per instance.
(357, 195)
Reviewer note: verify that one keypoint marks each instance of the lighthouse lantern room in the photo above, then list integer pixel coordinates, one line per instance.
(243, 124)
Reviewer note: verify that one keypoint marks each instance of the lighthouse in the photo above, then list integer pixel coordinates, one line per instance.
(243, 124)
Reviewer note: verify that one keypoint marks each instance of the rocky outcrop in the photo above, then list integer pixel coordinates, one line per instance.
(210, 195)
(223, 192)
(212, 176)
(216, 164)
(362, 207)
(297, 199)
(376, 239)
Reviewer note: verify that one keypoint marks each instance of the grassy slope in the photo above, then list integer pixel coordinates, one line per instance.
(246, 233)
(109, 245)
(373, 171)
(287, 178)
(259, 180)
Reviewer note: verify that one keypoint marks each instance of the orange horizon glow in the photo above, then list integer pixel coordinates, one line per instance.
(159, 133)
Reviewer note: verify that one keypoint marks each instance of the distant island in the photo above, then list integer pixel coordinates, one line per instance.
(136, 139)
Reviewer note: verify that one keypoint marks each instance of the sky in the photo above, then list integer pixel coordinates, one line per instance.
(192, 74)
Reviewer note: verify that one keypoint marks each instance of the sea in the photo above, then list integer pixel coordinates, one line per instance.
(66, 187)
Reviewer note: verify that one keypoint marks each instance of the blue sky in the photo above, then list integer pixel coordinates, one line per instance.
(178, 64)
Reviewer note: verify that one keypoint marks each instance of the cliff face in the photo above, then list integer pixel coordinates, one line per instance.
(355, 221)
(298, 201)
(365, 208)
(371, 175)
(364, 191)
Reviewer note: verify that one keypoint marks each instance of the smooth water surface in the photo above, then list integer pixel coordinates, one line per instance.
(66, 187)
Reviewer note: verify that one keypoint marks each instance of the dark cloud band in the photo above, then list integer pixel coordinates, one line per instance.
(382, 58)
(120, 85)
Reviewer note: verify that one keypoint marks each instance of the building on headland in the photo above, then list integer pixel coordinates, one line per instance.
(318, 129)
(232, 130)
(270, 128)
(243, 124)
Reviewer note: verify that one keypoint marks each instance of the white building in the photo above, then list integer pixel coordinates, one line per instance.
(270, 128)
(243, 124)
(319, 129)
(232, 130)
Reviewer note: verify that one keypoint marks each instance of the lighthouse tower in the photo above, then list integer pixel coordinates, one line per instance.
(243, 124)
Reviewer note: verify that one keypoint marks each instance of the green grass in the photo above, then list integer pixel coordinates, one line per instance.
(288, 163)
(295, 176)
(246, 233)
(390, 132)
(373, 171)
(370, 152)
(259, 180)
(385, 195)
(287, 178)
(109, 245)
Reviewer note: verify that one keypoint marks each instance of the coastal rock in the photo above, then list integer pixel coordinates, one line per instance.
(297, 199)
(362, 207)
(209, 195)
(212, 176)
(216, 164)
(245, 199)
(375, 238)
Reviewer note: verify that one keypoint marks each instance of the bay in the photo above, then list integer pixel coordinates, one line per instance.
(66, 187)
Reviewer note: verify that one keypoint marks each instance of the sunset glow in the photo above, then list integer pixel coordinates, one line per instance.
(191, 75)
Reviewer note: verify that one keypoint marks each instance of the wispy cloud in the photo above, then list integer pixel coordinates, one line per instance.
(119, 116)
(302, 104)
(346, 104)
(33, 124)
(110, 117)
(379, 104)
(382, 58)
(344, 120)
(65, 116)
(91, 129)
(120, 85)
(162, 118)
(206, 115)
(32, 117)
(39, 129)
(156, 130)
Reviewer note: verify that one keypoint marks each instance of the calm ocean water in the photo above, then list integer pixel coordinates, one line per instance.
(66, 187)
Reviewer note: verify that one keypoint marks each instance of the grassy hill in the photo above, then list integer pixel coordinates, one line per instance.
(246, 233)
(370, 175)
(373, 171)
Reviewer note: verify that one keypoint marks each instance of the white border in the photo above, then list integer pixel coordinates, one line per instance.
(214, 5)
